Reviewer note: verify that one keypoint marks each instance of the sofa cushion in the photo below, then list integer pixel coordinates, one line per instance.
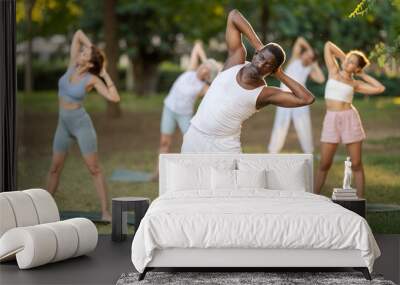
(41, 244)
(46, 207)
(7, 220)
(23, 208)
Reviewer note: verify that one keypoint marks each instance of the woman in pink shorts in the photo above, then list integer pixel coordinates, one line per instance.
(342, 123)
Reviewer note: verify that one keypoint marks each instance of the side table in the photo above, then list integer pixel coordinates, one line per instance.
(120, 208)
(357, 205)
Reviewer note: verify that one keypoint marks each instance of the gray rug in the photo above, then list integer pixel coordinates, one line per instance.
(243, 278)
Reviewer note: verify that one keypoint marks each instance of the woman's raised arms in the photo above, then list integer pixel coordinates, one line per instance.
(368, 85)
(79, 39)
(106, 88)
(197, 56)
(298, 47)
(331, 54)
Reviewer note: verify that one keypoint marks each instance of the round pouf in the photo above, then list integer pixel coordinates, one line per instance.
(120, 207)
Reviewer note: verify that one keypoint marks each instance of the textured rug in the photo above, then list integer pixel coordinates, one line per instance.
(244, 278)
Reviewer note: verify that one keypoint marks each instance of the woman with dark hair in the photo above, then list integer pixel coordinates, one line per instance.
(342, 122)
(239, 91)
(86, 71)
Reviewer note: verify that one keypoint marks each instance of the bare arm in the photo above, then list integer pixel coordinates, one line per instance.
(107, 89)
(79, 39)
(203, 90)
(298, 46)
(368, 85)
(299, 95)
(235, 27)
(197, 56)
(331, 54)
(316, 73)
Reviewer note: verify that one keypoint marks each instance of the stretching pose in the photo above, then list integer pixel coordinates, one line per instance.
(239, 91)
(86, 71)
(342, 122)
(302, 64)
(179, 104)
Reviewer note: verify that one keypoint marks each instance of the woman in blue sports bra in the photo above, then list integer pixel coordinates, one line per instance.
(86, 71)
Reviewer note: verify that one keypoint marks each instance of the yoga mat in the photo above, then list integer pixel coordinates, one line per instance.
(382, 208)
(124, 175)
(93, 216)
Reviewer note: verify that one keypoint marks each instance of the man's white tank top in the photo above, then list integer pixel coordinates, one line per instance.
(298, 72)
(226, 105)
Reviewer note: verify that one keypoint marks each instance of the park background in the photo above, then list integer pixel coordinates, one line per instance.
(147, 43)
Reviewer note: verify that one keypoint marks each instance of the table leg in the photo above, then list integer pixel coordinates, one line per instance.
(116, 221)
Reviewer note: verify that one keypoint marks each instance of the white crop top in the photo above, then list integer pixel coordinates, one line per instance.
(339, 91)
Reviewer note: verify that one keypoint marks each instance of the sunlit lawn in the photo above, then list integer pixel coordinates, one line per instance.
(131, 142)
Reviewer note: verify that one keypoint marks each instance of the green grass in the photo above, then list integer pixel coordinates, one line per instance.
(131, 142)
(46, 101)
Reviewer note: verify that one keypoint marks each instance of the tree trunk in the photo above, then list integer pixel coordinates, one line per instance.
(145, 73)
(129, 77)
(111, 50)
(264, 20)
(28, 82)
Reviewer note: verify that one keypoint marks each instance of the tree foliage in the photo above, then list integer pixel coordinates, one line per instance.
(150, 31)
(387, 50)
(49, 17)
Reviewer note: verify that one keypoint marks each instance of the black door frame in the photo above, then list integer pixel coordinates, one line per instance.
(8, 145)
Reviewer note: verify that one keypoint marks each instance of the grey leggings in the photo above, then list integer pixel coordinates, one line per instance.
(75, 124)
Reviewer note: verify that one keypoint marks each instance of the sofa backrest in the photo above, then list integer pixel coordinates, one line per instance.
(283, 164)
(26, 208)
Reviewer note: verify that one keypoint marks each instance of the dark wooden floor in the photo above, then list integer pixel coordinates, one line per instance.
(110, 260)
(103, 266)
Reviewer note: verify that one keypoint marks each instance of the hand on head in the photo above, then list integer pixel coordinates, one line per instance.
(103, 69)
(279, 72)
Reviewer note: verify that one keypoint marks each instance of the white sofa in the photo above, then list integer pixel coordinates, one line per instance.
(31, 231)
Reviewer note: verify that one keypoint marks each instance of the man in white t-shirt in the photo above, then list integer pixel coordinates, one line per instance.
(179, 103)
(301, 65)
